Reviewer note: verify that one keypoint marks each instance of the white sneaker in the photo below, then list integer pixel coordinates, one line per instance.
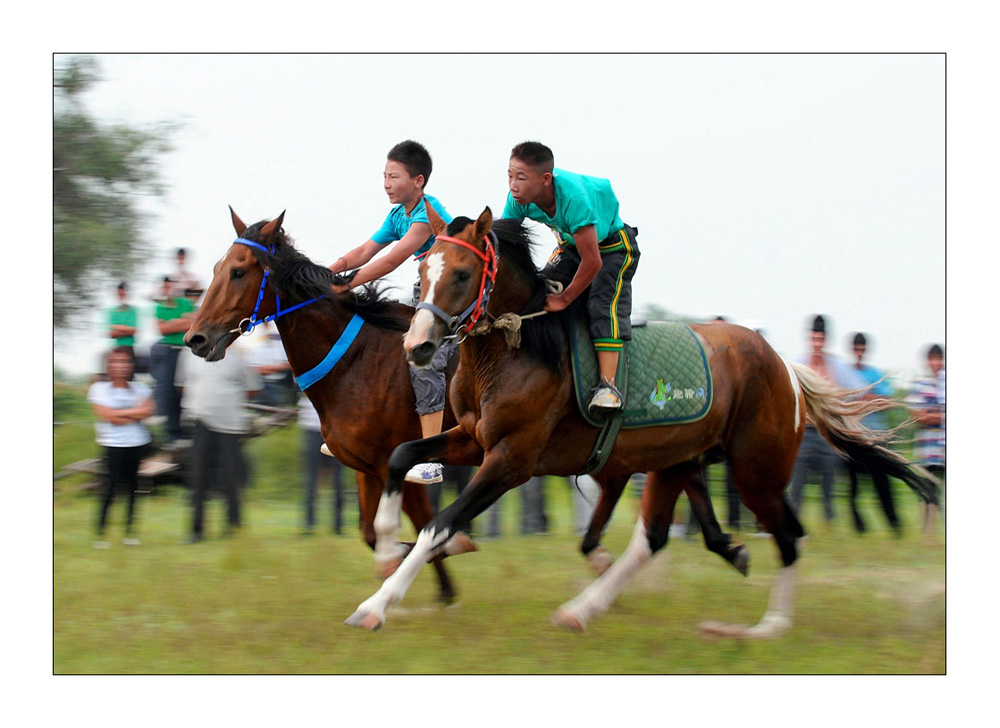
(425, 473)
(131, 542)
(606, 399)
(101, 545)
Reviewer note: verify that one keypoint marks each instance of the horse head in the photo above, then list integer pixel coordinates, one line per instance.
(235, 291)
(456, 276)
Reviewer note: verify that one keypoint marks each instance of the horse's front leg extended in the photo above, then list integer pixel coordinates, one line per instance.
(500, 472)
(453, 447)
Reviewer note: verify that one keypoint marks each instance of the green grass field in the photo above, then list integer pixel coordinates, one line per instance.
(271, 601)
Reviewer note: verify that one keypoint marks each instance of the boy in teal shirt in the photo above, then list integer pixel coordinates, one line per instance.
(407, 169)
(596, 250)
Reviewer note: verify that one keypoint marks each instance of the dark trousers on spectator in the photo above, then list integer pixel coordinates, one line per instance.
(815, 456)
(163, 363)
(314, 460)
(122, 464)
(217, 463)
(882, 488)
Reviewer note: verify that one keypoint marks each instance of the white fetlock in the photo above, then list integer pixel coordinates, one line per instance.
(325, 450)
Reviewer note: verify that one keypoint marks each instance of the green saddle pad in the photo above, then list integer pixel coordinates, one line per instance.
(669, 381)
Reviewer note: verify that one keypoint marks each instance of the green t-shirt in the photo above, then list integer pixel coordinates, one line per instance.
(166, 312)
(127, 316)
(580, 201)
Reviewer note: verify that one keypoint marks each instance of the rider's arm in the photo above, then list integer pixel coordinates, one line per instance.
(403, 249)
(357, 257)
(590, 266)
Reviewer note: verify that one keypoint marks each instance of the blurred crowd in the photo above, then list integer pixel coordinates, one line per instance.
(205, 409)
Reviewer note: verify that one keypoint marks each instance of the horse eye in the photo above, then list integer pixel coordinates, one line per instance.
(238, 273)
(462, 276)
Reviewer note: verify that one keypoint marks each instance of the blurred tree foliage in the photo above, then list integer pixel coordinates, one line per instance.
(99, 174)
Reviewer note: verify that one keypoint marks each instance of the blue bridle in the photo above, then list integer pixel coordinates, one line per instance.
(336, 352)
(253, 322)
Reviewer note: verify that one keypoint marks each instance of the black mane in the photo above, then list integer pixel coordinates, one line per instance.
(545, 338)
(298, 279)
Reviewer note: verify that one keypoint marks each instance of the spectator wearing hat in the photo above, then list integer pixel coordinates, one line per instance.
(880, 387)
(173, 318)
(123, 320)
(815, 455)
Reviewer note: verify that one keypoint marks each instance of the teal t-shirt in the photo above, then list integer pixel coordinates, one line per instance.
(398, 222)
(580, 201)
(123, 317)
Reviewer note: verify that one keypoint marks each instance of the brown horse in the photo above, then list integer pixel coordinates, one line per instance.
(516, 405)
(365, 402)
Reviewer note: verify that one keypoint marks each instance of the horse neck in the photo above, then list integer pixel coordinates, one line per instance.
(511, 292)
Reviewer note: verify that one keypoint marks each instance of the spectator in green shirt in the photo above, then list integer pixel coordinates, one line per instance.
(173, 318)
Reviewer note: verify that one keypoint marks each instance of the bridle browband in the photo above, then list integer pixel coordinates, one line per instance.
(253, 322)
(463, 322)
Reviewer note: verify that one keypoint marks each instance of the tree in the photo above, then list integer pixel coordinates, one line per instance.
(99, 173)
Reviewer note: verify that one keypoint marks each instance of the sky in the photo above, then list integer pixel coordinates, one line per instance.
(767, 188)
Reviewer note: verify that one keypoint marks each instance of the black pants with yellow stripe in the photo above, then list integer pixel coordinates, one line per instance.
(610, 302)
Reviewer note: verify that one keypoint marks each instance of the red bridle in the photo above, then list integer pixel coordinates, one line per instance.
(474, 312)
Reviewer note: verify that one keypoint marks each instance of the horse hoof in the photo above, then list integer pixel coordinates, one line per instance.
(716, 630)
(460, 543)
(741, 560)
(385, 569)
(567, 620)
(364, 620)
(600, 560)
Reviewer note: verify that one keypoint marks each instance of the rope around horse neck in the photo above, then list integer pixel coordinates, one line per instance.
(510, 323)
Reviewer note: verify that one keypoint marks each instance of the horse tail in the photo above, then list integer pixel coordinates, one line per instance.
(837, 415)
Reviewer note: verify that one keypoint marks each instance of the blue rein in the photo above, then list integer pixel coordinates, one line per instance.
(336, 352)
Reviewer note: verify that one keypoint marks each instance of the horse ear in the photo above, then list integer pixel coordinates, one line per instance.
(272, 227)
(438, 226)
(483, 224)
(237, 223)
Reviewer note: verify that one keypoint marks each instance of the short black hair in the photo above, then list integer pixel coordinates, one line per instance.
(935, 350)
(181, 251)
(535, 154)
(123, 286)
(819, 325)
(859, 339)
(414, 156)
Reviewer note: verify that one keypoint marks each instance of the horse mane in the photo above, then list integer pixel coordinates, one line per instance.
(545, 338)
(298, 279)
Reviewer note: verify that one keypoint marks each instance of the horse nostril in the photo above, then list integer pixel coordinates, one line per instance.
(194, 340)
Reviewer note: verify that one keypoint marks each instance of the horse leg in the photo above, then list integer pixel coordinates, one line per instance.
(650, 535)
(452, 447)
(369, 492)
(716, 540)
(599, 558)
(417, 505)
(778, 517)
(503, 468)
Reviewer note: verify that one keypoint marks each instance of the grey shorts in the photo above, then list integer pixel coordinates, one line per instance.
(429, 384)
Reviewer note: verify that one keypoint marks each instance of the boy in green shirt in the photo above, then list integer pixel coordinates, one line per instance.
(122, 319)
(596, 251)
